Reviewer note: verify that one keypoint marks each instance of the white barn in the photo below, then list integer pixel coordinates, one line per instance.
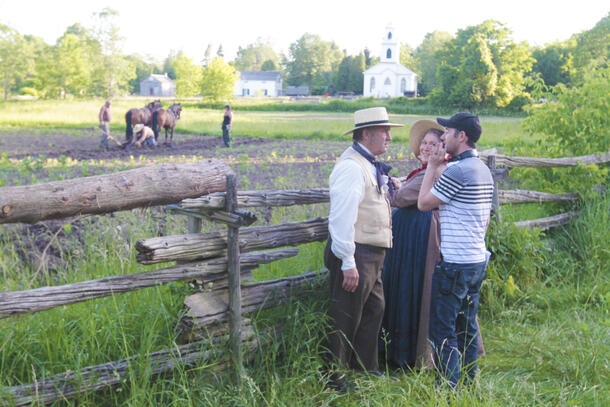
(158, 85)
(258, 83)
(389, 78)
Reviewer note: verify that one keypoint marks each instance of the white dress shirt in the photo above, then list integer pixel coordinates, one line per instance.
(346, 192)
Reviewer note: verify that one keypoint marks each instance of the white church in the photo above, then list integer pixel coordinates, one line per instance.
(389, 79)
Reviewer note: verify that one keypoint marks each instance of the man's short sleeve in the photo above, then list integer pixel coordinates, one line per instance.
(449, 184)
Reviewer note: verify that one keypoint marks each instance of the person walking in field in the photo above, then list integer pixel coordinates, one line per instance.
(227, 120)
(463, 194)
(359, 227)
(104, 118)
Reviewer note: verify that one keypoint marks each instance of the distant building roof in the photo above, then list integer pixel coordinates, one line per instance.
(389, 66)
(260, 75)
(159, 78)
(296, 90)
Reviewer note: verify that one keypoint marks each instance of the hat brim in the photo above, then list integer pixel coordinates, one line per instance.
(418, 132)
(373, 125)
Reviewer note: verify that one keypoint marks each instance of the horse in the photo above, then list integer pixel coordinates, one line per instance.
(166, 119)
(142, 115)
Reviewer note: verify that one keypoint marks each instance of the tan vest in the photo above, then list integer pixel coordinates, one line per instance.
(374, 223)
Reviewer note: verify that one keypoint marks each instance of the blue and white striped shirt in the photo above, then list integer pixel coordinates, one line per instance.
(466, 188)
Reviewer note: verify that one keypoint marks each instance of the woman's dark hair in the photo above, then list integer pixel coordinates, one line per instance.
(436, 132)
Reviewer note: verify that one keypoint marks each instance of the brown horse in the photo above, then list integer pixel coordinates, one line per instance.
(166, 119)
(143, 115)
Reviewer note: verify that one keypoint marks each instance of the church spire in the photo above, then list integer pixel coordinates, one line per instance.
(389, 46)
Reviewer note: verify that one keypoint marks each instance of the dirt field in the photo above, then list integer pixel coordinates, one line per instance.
(22, 143)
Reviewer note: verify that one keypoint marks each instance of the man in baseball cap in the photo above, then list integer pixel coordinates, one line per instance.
(463, 194)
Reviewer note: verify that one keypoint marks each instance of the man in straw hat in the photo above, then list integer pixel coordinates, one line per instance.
(360, 231)
(463, 194)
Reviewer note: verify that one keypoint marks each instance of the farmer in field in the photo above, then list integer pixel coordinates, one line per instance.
(463, 193)
(227, 119)
(142, 135)
(359, 233)
(104, 118)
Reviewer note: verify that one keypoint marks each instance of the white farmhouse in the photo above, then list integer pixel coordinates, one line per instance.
(389, 78)
(258, 83)
(158, 85)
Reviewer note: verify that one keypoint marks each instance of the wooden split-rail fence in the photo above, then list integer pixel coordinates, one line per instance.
(219, 260)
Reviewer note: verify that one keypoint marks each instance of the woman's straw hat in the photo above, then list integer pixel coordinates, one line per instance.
(418, 132)
(374, 116)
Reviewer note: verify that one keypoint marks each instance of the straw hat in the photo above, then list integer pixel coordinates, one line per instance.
(418, 132)
(138, 128)
(374, 116)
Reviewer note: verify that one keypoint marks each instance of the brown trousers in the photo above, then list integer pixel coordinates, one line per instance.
(355, 318)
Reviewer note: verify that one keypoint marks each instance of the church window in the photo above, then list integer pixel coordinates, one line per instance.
(403, 85)
(389, 35)
(388, 54)
(387, 81)
(372, 84)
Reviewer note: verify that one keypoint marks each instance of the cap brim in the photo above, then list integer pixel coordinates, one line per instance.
(444, 122)
(373, 125)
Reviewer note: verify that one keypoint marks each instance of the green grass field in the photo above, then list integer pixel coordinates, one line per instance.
(545, 328)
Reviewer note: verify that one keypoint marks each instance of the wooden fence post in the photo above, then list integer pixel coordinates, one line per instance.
(495, 199)
(193, 224)
(233, 270)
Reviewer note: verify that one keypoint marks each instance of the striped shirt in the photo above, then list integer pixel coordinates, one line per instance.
(466, 188)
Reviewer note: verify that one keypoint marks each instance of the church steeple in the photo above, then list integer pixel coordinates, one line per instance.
(389, 46)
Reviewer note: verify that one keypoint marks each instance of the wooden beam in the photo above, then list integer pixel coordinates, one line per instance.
(201, 246)
(69, 384)
(212, 307)
(547, 223)
(502, 160)
(524, 196)
(260, 198)
(40, 299)
(147, 186)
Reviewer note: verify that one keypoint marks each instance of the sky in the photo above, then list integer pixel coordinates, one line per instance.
(153, 28)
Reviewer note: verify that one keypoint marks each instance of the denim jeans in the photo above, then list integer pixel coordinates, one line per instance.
(226, 135)
(453, 309)
(105, 131)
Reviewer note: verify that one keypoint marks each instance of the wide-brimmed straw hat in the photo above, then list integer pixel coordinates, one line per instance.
(138, 127)
(374, 116)
(418, 132)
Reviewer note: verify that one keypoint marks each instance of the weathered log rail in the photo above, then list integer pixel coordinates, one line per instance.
(140, 187)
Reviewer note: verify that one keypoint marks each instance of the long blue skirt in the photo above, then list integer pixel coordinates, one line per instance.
(403, 277)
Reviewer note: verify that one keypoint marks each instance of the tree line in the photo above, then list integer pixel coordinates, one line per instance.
(479, 66)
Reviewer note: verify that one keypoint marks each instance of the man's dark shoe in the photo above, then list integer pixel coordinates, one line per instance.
(341, 385)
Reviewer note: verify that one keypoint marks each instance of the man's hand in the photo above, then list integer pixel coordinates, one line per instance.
(437, 156)
(350, 280)
(396, 183)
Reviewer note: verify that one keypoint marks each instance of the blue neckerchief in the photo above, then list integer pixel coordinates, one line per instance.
(466, 154)
(380, 167)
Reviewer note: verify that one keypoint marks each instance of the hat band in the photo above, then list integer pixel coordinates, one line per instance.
(370, 123)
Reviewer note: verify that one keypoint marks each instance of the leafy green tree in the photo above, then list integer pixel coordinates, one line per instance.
(553, 63)
(407, 57)
(270, 65)
(65, 68)
(349, 74)
(255, 55)
(592, 49)
(310, 57)
(218, 80)
(15, 59)
(426, 60)
(113, 73)
(207, 56)
(188, 76)
(220, 52)
(481, 66)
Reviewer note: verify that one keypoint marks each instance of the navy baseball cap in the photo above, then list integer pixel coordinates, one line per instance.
(466, 122)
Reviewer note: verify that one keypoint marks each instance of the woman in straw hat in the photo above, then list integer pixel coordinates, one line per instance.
(409, 265)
